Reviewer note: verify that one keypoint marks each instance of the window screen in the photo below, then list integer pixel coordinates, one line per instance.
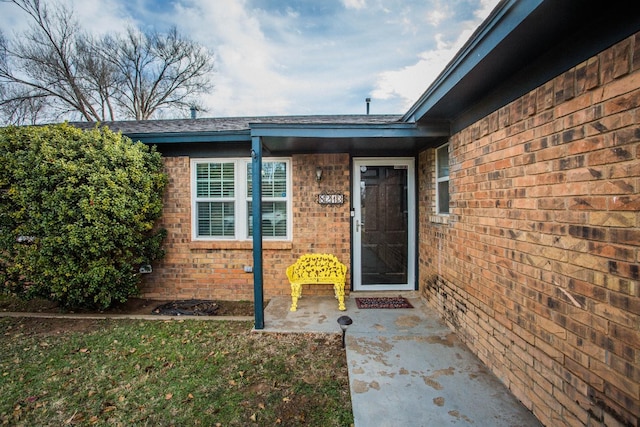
(442, 179)
(274, 194)
(215, 190)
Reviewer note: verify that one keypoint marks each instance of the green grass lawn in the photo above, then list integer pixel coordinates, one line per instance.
(168, 373)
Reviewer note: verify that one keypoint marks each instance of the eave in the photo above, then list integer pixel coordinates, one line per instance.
(290, 138)
(520, 46)
(357, 139)
(192, 137)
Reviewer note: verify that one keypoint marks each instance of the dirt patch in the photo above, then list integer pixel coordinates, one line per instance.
(132, 306)
(46, 327)
(447, 341)
(148, 306)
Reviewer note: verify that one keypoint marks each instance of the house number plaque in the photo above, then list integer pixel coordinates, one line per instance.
(330, 199)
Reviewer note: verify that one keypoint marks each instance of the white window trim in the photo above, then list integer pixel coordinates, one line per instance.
(240, 198)
(441, 179)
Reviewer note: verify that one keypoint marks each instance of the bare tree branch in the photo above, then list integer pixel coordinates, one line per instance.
(63, 71)
(158, 70)
(21, 108)
(45, 58)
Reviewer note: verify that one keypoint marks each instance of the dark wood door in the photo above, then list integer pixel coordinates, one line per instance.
(384, 213)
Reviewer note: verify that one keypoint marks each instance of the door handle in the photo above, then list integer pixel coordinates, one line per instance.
(359, 225)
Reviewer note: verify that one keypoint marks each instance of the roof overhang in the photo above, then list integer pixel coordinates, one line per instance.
(359, 139)
(355, 139)
(520, 46)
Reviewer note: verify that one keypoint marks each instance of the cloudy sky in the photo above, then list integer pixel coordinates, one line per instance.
(290, 57)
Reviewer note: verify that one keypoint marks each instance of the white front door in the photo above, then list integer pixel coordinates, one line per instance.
(384, 224)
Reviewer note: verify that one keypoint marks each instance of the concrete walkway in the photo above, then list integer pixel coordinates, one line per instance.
(406, 368)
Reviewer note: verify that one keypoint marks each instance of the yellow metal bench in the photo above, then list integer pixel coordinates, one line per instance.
(316, 269)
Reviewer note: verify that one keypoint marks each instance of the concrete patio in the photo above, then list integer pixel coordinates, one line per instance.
(406, 367)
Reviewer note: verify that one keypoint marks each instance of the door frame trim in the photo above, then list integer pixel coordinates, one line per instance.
(356, 260)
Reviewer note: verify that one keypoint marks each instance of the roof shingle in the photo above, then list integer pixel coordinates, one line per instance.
(233, 124)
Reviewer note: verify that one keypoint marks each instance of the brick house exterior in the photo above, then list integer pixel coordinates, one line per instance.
(535, 264)
(215, 270)
(536, 268)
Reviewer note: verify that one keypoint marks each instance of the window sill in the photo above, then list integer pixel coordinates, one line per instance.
(439, 219)
(238, 245)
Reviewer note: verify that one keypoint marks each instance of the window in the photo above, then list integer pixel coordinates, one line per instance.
(215, 199)
(222, 202)
(442, 179)
(274, 200)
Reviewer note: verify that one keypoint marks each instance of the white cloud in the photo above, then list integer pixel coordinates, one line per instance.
(281, 57)
(486, 6)
(435, 17)
(98, 17)
(438, 13)
(248, 79)
(409, 82)
(354, 4)
(101, 17)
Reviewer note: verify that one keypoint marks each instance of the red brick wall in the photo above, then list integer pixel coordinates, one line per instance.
(321, 228)
(215, 270)
(536, 268)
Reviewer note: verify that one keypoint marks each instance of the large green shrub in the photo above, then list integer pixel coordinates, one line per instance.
(77, 213)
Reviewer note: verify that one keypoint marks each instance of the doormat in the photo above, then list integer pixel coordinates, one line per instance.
(383, 302)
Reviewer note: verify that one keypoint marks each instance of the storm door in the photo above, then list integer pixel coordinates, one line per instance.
(383, 224)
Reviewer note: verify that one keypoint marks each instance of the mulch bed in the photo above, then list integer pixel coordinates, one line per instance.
(383, 302)
(135, 306)
(193, 307)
